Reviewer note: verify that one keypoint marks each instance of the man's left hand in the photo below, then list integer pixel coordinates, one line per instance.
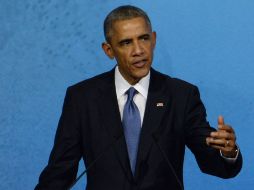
(223, 139)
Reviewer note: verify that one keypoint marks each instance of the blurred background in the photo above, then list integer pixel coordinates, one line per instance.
(47, 45)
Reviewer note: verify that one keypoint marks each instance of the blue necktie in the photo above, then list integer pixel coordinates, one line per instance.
(132, 126)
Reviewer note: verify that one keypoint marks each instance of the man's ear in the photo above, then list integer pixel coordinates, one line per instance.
(154, 36)
(108, 50)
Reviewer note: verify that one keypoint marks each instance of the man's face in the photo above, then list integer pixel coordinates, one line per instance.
(131, 43)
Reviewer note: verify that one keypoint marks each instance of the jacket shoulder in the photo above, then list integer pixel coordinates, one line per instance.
(91, 84)
(171, 82)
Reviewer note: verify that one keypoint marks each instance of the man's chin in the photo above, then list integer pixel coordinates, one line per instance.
(141, 74)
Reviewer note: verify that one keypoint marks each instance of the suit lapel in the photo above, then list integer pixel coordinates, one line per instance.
(112, 122)
(156, 105)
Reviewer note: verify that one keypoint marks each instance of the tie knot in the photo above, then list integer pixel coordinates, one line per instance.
(131, 93)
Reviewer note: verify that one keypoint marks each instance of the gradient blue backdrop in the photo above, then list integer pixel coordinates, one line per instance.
(47, 45)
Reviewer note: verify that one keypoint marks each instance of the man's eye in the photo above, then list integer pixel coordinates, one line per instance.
(124, 43)
(144, 38)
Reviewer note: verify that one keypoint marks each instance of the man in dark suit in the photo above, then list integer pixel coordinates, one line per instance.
(131, 124)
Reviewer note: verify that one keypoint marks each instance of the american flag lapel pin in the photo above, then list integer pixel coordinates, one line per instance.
(159, 104)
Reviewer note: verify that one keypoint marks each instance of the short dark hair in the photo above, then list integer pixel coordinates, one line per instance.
(124, 12)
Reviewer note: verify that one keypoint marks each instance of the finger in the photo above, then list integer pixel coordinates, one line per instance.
(227, 128)
(223, 135)
(216, 142)
(225, 150)
(219, 148)
(220, 120)
(220, 144)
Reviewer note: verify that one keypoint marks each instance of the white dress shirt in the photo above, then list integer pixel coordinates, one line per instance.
(140, 98)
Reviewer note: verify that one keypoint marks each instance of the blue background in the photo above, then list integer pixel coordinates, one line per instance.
(47, 45)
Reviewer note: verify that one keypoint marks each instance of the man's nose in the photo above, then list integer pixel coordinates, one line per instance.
(138, 49)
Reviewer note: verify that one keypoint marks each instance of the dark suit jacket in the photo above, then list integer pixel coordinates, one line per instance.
(90, 122)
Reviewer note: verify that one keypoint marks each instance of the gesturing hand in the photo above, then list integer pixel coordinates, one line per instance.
(223, 139)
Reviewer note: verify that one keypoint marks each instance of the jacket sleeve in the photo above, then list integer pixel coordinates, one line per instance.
(196, 130)
(64, 158)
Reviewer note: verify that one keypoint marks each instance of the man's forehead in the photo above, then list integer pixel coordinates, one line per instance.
(137, 23)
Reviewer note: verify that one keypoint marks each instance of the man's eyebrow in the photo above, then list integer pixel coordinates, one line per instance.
(128, 40)
(144, 36)
(125, 40)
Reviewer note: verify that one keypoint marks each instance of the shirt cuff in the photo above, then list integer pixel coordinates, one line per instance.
(231, 160)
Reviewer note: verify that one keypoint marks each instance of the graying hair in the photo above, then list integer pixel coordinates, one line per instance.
(125, 12)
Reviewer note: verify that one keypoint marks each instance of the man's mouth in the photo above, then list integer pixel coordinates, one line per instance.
(140, 63)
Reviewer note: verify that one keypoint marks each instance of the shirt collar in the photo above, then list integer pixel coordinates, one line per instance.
(122, 85)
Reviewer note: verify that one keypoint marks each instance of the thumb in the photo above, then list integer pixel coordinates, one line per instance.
(220, 120)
